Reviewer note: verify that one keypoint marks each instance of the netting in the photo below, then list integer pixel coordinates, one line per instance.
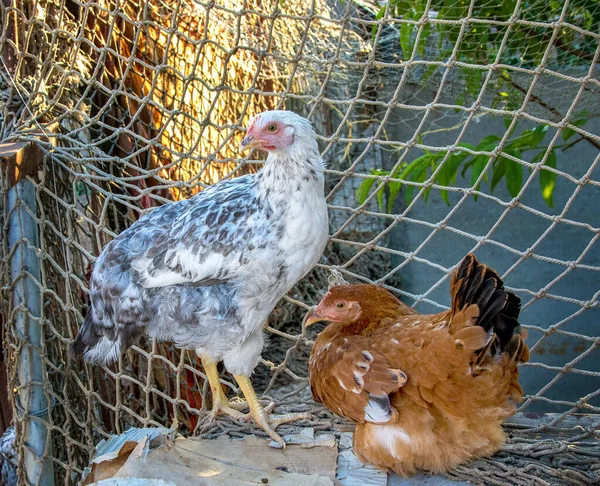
(447, 126)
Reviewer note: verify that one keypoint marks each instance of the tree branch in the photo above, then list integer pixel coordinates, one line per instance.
(580, 53)
(546, 106)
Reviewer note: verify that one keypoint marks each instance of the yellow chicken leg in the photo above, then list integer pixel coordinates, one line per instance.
(262, 416)
(220, 404)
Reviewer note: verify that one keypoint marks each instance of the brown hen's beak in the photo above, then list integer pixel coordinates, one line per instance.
(313, 317)
(248, 143)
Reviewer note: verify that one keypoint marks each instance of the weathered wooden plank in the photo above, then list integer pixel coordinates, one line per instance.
(11, 149)
(22, 158)
(19, 160)
(308, 460)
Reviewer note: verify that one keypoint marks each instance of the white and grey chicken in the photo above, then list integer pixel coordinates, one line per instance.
(206, 272)
(9, 459)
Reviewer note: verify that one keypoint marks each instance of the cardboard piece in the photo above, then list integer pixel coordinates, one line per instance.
(111, 455)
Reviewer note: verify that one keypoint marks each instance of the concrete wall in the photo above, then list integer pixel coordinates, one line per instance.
(519, 230)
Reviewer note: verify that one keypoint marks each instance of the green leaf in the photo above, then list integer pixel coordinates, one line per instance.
(567, 133)
(538, 134)
(443, 179)
(394, 190)
(416, 164)
(479, 164)
(406, 31)
(548, 179)
(465, 156)
(454, 9)
(466, 167)
(460, 100)
(447, 174)
(513, 177)
(426, 193)
(416, 176)
(400, 7)
(498, 172)
(507, 7)
(444, 194)
(379, 16)
(428, 73)
(487, 144)
(466, 145)
(512, 103)
(363, 190)
(380, 194)
(529, 139)
(408, 194)
(533, 51)
(473, 82)
(416, 170)
(423, 39)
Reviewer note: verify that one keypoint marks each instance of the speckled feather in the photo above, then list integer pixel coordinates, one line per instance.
(206, 272)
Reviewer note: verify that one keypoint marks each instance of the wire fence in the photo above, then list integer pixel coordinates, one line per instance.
(447, 126)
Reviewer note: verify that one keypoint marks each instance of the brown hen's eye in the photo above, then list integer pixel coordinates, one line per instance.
(272, 127)
(340, 305)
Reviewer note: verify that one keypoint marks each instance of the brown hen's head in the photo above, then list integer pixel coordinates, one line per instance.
(357, 304)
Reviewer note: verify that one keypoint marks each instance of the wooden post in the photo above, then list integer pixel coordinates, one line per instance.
(19, 160)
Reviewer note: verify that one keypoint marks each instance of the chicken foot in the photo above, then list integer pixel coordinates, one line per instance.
(262, 416)
(220, 404)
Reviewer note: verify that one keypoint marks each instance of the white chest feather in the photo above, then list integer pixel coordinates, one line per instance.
(306, 231)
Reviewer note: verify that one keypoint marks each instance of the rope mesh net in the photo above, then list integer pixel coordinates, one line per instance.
(425, 111)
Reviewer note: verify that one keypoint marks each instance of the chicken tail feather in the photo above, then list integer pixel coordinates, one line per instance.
(475, 283)
(99, 344)
(517, 351)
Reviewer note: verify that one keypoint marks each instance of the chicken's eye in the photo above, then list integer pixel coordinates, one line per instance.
(272, 127)
(340, 305)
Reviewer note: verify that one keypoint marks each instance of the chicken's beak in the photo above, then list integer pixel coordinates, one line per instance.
(248, 143)
(313, 317)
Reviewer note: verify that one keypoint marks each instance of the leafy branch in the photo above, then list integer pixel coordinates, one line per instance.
(422, 168)
(477, 45)
(481, 43)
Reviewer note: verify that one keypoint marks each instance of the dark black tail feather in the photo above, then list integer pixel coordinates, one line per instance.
(475, 283)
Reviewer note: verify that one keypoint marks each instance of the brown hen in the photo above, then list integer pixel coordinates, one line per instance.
(427, 392)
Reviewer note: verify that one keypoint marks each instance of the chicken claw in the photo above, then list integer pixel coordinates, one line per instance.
(262, 416)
